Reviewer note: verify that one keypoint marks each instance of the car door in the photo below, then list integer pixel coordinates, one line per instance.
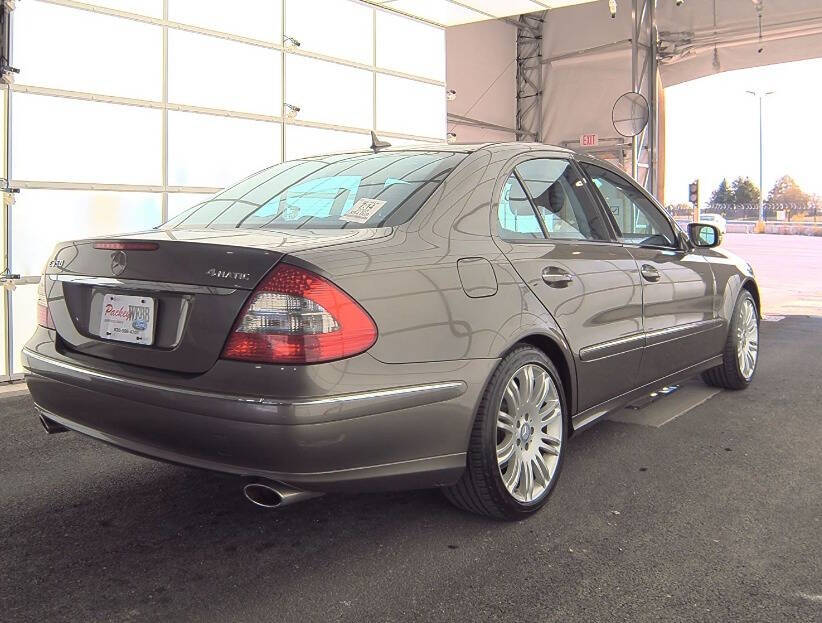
(562, 245)
(678, 289)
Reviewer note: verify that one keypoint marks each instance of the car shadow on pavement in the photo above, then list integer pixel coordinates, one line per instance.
(150, 537)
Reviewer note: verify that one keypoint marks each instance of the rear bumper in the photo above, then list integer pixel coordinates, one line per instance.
(405, 436)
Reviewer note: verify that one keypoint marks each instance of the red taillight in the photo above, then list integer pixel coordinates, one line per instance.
(295, 316)
(118, 245)
(44, 318)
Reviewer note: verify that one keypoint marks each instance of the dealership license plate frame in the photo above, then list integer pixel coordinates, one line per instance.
(120, 328)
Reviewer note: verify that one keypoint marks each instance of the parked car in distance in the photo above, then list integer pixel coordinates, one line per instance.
(442, 316)
(717, 220)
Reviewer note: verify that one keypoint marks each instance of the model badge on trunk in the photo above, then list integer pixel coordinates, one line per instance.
(227, 274)
(118, 263)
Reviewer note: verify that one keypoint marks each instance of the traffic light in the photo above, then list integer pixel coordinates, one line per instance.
(693, 192)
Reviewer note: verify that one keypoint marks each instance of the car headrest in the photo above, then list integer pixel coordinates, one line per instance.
(552, 198)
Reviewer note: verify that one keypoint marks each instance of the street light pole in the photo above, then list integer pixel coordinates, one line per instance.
(760, 96)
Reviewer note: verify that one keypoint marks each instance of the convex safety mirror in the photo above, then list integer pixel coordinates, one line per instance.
(630, 114)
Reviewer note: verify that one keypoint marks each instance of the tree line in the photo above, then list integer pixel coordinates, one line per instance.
(743, 191)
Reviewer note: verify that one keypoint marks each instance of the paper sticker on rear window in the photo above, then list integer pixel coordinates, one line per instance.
(362, 210)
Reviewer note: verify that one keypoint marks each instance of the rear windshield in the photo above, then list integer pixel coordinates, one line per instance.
(332, 192)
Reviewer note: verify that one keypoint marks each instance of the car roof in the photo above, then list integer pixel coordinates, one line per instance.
(472, 147)
(457, 148)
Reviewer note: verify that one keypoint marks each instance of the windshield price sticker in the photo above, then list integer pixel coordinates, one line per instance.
(362, 210)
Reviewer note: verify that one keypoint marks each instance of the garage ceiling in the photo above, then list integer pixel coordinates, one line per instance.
(455, 12)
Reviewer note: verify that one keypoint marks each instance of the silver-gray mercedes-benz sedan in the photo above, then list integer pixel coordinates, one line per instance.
(442, 316)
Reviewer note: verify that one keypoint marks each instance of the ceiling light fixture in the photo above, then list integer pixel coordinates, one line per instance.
(612, 7)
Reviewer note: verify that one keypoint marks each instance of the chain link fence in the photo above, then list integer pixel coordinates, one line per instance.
(788, 212)
(778, 212)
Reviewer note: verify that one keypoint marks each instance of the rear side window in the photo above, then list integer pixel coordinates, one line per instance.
(517, 219)
(333, 192)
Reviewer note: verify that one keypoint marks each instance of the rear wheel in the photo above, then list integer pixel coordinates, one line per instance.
(518, 440)
(741, 352)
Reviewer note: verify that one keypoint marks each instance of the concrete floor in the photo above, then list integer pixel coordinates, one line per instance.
(713, 516)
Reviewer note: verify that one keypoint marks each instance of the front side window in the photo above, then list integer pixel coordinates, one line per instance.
(637, 219)
(329, 192)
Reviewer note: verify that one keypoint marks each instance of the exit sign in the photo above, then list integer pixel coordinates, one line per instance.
(589, 140)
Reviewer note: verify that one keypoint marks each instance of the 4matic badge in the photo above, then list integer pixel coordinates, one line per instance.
(227, 274)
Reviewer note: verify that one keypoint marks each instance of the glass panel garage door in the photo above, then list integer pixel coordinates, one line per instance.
(126, 112)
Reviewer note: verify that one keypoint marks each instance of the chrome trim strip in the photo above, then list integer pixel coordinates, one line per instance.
(600, 350)
(148, 286)
(341, 399)
(692, 328)
(380, 393)
(650, 338)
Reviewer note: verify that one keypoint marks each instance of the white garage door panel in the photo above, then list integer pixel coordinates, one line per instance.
(216, 73)
(335, 28)
(67, 140)
(153, 8)
(42, 218)
(2, 147)
(63, 48)
(211, 151)
(329, 92)
(90, 101)
(410, 47)
(302, 141)
(180, 202)
(24, 310)
(410, 107)
(257, 19)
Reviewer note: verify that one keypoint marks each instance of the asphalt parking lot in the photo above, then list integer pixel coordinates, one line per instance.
(788, 269)
(717, 515)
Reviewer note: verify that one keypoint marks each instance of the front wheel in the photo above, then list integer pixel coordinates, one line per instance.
(741, 352)
(518, 440)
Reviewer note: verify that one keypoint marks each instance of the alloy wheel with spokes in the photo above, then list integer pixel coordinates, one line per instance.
(517, 442)
(529, 433)
(741, 353)
(747, 346)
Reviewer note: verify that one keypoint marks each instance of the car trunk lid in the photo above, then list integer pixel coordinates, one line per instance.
(194, 282)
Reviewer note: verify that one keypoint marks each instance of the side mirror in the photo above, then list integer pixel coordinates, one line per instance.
(704, 235)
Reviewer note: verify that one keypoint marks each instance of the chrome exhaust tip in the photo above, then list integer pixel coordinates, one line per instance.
(275, 494)
(50, 426)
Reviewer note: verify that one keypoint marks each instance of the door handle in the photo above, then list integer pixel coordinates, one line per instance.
(649, 273)
(556, 277)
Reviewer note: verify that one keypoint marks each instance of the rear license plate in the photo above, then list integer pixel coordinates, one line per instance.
(128, 319)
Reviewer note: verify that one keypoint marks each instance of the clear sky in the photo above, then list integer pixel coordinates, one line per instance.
(712, 129)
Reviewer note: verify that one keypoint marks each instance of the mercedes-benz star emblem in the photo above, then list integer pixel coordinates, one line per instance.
(118, 262)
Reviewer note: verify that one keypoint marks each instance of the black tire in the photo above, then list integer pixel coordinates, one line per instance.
(481, 489)
(728, 375)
